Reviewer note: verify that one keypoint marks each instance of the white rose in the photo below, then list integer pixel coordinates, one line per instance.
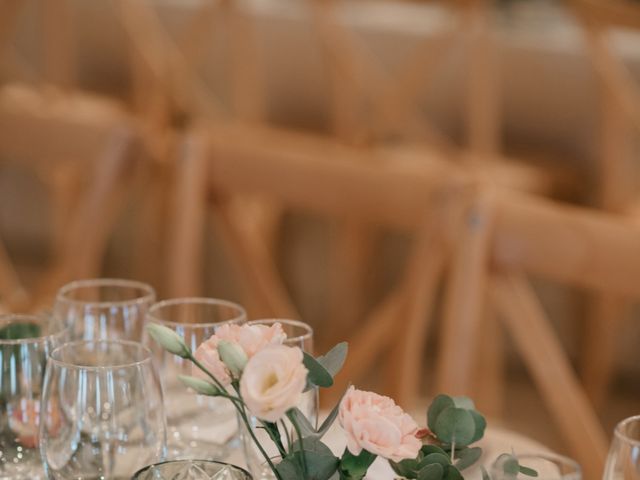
(273, 381)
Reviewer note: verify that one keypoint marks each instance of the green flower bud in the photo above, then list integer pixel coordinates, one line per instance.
(200, 386)
(169, 340)
(233, 356)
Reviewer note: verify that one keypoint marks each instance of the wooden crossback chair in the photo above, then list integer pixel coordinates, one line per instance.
(216, 139)
(78, 145)
(505, 239)
(379, 108)
(620, 119)
(494, 239)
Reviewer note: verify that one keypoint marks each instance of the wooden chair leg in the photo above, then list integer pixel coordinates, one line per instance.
(489, 384)
(543, 354)
(464, 297)
(188, 217)
(600, 345)
(99, 208)
(256, 267)
(425, 269)
(350, 258)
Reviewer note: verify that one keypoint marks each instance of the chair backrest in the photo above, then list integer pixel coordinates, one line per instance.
(55, 61)
(177, 60)
(371, 103)
(504, 239)
(620, 94)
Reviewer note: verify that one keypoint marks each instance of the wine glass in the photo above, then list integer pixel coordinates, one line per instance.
(549, 466)
(623, 462)
(103, 411)
(192, 470)
(299, 334)
(104, 308)
(199, 427)
(25, 343)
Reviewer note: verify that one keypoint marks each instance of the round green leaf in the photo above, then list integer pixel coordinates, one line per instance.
(440, 403)
(452, 473)
(431, 472)
(481, 425)
(436, 458)
(455, 425)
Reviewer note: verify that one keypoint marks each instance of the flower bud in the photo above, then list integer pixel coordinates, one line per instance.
(200, 386)
(233, 356)
(169, 340)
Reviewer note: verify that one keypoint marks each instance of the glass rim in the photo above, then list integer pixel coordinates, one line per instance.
(184, 460)
(61, 330)
(621, 435)
(128, 343)
(150, 317)
(286, 321)
(148, 293)
(557, 458)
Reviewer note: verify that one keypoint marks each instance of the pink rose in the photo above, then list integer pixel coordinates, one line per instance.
(375, 423)
(273, 381)
(251, 338)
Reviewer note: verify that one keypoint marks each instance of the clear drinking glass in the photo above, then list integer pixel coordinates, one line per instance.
(25, 343)
(299, 334)
(192, 470)
(199, 427)
(104, 414)
(548, 465)
(623, 462)
(104, 308)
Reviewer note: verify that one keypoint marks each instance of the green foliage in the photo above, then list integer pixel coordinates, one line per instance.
(325, 367)
(19, 331)
(467, 457)
(314, 457)
(454, 421)
(354, 467)
(509, 465)
(432, 463)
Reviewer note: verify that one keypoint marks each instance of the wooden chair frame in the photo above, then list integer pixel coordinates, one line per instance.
(620, 95)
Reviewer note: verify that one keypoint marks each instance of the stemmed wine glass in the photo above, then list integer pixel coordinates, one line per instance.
(299, 334)
(103, 414)
(199, 427)
(104, 308)
(623, 462)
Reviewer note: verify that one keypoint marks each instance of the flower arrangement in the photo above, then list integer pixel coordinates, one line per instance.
(251, 367)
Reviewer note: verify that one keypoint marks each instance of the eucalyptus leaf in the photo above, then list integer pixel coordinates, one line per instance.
(334, 359)
(468, 457)
(321, 463)
(452, 473)
(439, 404)
(318, 375)
(306, 429)
(529, 472)
(427, 449)
(438, 458)
(407, 468)
(481, 425)
(455, 425)
(354, 467)
(326, 425)
(464, 402)
(431, 472)
(508, 464)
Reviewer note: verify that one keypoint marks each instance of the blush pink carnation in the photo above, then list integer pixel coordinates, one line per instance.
(375, 423)
(251, 338)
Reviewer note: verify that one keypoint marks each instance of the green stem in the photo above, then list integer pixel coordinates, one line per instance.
(241, 412)
(286, 433)
(299, 433)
